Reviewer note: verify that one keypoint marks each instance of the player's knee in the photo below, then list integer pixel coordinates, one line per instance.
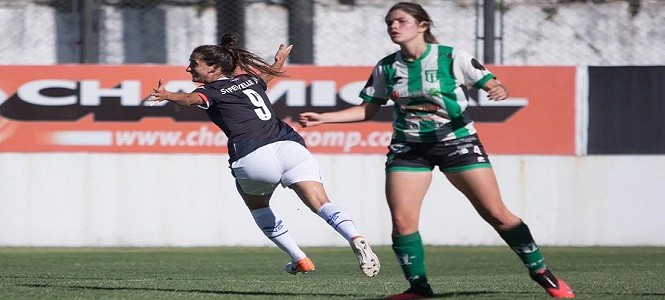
(403, 225)
(313, 198)
(502, 220)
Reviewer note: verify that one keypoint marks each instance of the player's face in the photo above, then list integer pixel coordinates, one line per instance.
(403, 27)
(201, 72)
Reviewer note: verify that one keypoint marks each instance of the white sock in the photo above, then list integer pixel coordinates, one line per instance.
(339, 219)
(277, 232)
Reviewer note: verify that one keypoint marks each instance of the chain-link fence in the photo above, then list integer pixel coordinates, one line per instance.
(327, 32)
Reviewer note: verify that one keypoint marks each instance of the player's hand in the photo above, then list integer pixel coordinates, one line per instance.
(310, 119)
(497, 92)
(159, 94)
(283, 52)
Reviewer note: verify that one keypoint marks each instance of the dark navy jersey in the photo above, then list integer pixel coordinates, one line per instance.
(241, 108)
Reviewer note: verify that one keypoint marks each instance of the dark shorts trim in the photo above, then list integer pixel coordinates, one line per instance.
(451, 156)
(466, 168)
(407, 169)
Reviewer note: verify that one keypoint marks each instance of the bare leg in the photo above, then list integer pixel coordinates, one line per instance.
(311, 193)
(481, 188)
(405, 192)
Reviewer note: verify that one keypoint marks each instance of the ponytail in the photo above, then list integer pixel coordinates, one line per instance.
(229, 56)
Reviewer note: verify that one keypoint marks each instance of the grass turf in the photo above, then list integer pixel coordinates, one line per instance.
(256, 273)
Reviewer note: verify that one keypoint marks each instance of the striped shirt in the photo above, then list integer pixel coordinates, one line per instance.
(429, 93)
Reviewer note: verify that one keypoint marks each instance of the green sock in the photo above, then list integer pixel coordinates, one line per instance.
(411, 257)
(521, 241)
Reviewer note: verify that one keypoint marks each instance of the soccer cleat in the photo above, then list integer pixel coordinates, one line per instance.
(554, 286)
(369, 262)
(304, 265)
(421, 291)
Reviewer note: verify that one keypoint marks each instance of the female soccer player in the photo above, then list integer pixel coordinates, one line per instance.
(428, 83)
(264, 151)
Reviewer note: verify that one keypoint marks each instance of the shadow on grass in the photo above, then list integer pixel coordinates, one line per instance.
(229, 292)
(219, 292)
(457, 294)
(258, 293)
(451, 295)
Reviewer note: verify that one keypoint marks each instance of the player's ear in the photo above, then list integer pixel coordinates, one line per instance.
(214, 68)
(423, 26)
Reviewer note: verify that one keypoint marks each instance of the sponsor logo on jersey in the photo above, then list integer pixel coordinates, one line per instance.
(421, 107)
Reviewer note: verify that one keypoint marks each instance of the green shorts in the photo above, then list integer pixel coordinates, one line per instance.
(450, 156)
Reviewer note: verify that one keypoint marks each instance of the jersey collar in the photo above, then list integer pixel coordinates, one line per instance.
(420, 58)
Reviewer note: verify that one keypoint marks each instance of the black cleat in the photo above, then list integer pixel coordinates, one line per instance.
(421, 291)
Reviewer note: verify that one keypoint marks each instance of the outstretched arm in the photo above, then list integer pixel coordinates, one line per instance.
(280, 58)
(160, 94)
(362, 112)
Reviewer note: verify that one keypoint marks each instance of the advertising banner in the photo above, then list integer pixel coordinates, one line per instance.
(101, 108)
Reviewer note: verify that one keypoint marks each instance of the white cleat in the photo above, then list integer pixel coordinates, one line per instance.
(369, 262)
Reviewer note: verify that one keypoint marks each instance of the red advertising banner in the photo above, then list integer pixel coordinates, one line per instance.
(100, 108)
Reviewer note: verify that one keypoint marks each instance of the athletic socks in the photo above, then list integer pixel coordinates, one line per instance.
(338, 219)
(411, 257)
(277, 232)
(521, 241)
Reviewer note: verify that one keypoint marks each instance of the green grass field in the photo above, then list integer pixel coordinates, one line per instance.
(256, 273)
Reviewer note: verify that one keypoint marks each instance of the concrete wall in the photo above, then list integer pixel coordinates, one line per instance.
(534, 32)
(80, 199)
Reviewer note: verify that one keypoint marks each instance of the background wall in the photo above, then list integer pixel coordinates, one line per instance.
(88, 199)
(530, 32)
(83, 199)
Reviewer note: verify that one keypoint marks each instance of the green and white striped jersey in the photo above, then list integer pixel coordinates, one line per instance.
(429, 93)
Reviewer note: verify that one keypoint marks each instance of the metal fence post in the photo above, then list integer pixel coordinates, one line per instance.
(231, 18)
(89, 30)
(489, 10)
(301, 30)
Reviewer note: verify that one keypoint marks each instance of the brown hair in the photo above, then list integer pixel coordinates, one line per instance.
(230, 57)
(419, 13)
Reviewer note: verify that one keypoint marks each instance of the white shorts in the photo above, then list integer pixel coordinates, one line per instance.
(284, 162)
